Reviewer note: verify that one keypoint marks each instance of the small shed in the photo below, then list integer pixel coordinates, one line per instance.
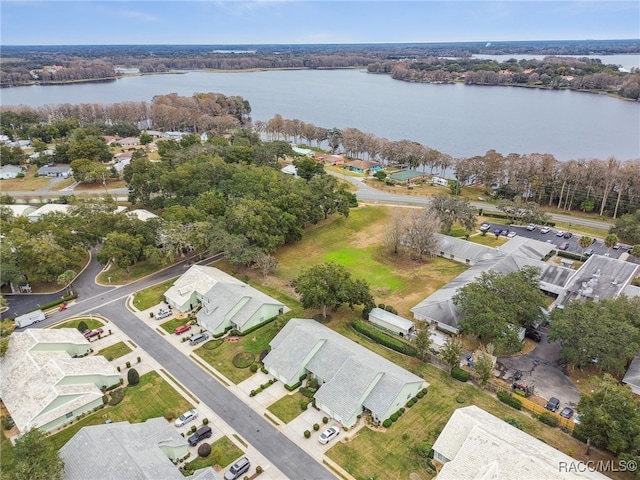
(397, 324)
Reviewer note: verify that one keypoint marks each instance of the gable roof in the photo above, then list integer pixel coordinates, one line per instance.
(123, 450)
(391, 318)
(142, 214)
(198, 279)
(351, 372)
(35, 371)
(482, 446)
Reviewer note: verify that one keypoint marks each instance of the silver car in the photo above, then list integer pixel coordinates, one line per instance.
(185, 418)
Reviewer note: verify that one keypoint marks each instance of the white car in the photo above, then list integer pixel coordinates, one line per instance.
(485, 227)
(531, 227)
(186, 417)
(511, 234)
(545, 229)
(328, 435)
(559, 233)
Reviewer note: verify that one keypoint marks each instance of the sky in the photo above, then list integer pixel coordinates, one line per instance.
(86, 22)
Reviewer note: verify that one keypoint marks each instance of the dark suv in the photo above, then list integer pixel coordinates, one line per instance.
(533, 334)
(201, 433)
(553, 404)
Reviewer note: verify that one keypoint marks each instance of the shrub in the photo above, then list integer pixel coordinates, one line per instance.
(548, 419)
(420, 394)
(313, 384)
(387, 423)
(460, 399)
(424, 449)
(105, 399)
(252, 393)
(514, 422)
(253, 367)
(291, 388)
(133, 377)
(116, 396)
(382, 338)
(424, 391)
(504, 397)
(258, 469)
(204, 450)
(325, 420)
(401, 411)
(459, 374)
(128, 364)
(243, 360)
(307, 434)
(307, 392)
(316, 427)
(410, 403)
(82, 326)
(205, 421)
(139, 359)
(264, 370)
(394, 417)
(304, 405)
(390, 309)
(118, 368)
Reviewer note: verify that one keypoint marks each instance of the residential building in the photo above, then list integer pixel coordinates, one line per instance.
(442, 182)
(142, 214)
(116, 451)
(46, 380)
(55, 171)
(224, 302)
(392, 322)
(129, 142)
(306, 152)
(10, 171)
(362, 166)
(477, 445)
(354, 380)
(20, 210)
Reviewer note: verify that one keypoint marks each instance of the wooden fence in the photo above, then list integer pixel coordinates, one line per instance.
(565, 423)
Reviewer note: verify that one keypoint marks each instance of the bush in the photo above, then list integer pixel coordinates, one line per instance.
(205, 421)
(118, 368)
(307, 392)
(459, 374)
(424, 449)
(82, 326)
(514, 422)
(253, 367)
(325, 420)
(394, 417)
(105, 399)
(128, 364)
(313, 384)
(139, 359)
(204, 450)
(307, 434)
(548, 419)
(383, 339)
(460, 399)
(411, 403)
(316, 427)
(291, 388)
(133, 378)
(390, 309)
(387, 423)
(243, 360)
(420, 394)
(423, 392)
(264, 370)
(258, 469)
(116, 396)
(504, 397)
(304, 405)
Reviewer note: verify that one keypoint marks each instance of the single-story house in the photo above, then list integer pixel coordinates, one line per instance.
(4, 139)
(475, 444)
(154, 133)
(173, 135)
(55, 171)
(442, 182)
(332, 159)
(129, 142)
(20, 210)
(121, 160)
(305, 152)
(362, 166)
(20, 143)
(390, 321)
(116, 451)
(290, 170)
(632, 376)
(142, 214)
(10, 171)
(225, 301)
(354, 380)
(407, 176)
(47, 209)
(43, 382)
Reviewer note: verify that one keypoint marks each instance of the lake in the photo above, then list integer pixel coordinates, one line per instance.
(457, 119)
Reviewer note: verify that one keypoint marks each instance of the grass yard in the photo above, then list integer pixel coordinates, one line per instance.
(223, 453)
(152, 397)
(170, 326)
(488, 240)
(288, 407)
(63, 184)
(98, 186)
(221, 358)
(119, 276)
(28, 183)
(153, 295)
(91, 323)
(117, 350)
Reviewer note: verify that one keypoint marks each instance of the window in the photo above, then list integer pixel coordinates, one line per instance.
(69, 415)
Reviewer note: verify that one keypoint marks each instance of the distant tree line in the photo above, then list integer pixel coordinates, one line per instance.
(77, 70)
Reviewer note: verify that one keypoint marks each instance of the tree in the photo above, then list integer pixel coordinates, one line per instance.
(266, 263)
(395, 231)
(495, 306)
(484, 363)
(610, 416)
(453, 209)
(380, 175)
(422, 340)
(451, 352)
(627, 228)
(584, 243)
(82, 326)
(36, 458)
(133, 377)
(308, 167)
(635, 251)
(145, 138)
(330, 285)
(420, 236)
(455, 187)
(66, 277)
(611, 240)
(122, 249)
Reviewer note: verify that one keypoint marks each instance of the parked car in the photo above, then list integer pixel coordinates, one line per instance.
(198, 338)
(186, 417)
(553, 404)
(559, 233)
(201, 433)
(92, 333)
(545, 230)
(531, 227)
(533, 334)
(504, 232)
(616, 246)
(163, 313)
(566, 412)
(183, 328)
(563, 246)
(485, 227)
(588, 252)
(497, 231)
(511, 234)
(567, 235)
(237, 469)
(328, 435)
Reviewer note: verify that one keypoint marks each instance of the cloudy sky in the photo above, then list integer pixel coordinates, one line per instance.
(81, 22)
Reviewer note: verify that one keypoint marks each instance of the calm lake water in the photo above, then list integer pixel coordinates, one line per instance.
(456, 119)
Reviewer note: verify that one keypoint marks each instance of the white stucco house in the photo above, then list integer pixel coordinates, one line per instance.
(121, 450)
(44, 384)
(354, 380)
(225, 301)
(475, 444)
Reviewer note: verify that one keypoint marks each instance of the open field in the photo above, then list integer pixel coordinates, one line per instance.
(28, 183)
(151, 296)
(99, 187)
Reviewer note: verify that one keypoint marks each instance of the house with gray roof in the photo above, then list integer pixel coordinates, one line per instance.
(55, 171)
(477, 445)
(10, 171)
(46, 380)
(224, 301)
(116, 451)
(353, 379)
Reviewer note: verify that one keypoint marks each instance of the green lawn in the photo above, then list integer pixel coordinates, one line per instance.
(153, 295)
(91, 323)
(119, 276)
(488, 240)
(152, 397)
(223, 453)
(170, 326)
(288, 407)
(221, 357)
(117, 350)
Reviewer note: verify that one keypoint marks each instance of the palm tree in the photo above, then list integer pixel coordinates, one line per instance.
(584, 242)
(610, 240)
(65, 278)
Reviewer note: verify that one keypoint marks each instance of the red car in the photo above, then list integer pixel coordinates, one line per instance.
(563, 246)
(92, 333)
(183, 328)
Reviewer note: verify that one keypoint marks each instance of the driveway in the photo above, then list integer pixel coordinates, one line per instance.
(543, 368)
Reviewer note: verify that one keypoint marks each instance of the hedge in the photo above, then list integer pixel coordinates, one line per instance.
(548, 419)
(383, 338)
(504, 397)
(460, 374)
(387, 423)
(572, 256)
(291, 388)
(224, 332)
(55, 303)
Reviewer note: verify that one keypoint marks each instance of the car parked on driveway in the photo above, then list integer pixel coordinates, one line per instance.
(186, 417)
(201, 433)
(566, 412)
(328, 435)
(563, 246)
(545, 230)
(183, 328)
(553, 404)
(238, 469)
(92, 333)
(163, 313)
